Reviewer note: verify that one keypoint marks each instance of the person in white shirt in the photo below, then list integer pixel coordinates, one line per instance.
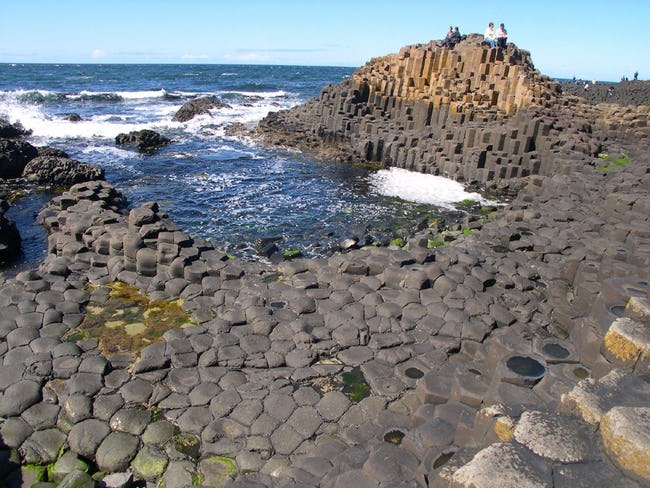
(502, 36)
(489, 36)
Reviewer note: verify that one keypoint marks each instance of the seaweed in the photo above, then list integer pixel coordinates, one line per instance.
(128, 321)
(355, 385)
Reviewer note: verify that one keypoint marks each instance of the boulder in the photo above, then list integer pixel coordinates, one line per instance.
(14, 156)
(10, 131)
(52, 152)
(60, 171)
(198, 106)
(9, 240)
(144, 140)
(9, 235)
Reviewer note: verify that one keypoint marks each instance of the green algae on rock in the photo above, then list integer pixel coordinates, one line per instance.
(128, 321)
(217, 470)
(187, 443)
(355, 386)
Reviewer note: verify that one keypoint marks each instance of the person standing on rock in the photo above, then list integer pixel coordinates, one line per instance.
(489, 35)
(636, 76)
(502, 36)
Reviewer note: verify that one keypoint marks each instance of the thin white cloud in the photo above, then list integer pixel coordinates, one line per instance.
(195, 56)
(247, 57)
(97, 54)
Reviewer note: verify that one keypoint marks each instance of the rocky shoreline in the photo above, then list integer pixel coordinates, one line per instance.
(517, 356)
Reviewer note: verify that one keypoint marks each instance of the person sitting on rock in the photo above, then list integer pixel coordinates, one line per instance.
(489, 36)
(502, 36)
(455, 38)
(447, 40)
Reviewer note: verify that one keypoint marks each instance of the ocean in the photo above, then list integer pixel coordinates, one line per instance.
(230, 190)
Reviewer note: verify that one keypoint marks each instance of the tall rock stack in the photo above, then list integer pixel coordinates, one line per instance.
(470, 79)
(470, 113)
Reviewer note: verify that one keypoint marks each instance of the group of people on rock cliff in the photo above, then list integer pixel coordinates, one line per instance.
(493, 38)
(498, 38)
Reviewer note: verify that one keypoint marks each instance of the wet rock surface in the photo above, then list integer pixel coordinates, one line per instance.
(9, 235)
(144, 140)
(199, 106)
(60, 172)
(373, 367)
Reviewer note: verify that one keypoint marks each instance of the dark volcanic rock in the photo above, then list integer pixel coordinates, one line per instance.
(9, 236)
(196, 107)
(623, 93)
(9, 131)
(144, 140)
(61, 171)
(52, 152)
(14, 155)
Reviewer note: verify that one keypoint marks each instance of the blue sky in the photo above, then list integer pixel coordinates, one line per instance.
(595, 39)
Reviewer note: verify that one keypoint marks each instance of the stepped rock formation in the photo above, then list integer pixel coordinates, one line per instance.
(470, 113)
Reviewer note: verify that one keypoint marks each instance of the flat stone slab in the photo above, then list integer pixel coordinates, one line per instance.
(504, 465)
(18, 397)
(554, 436)
(592, 399)
(116, 451)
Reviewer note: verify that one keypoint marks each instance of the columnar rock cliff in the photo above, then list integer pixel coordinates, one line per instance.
(470, 113)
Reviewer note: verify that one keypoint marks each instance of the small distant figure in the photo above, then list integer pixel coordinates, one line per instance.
(450, 32)
(586, 85)
(447, 40)
(451, 39)
(489, 36)
(636, 76)
(610, 91)
(502, 36)
(455, 38)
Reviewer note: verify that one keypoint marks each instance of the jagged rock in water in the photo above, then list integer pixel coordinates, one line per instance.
(9, 236)
(144, 140)
(11, 131)
(14, 156)
(198, 106)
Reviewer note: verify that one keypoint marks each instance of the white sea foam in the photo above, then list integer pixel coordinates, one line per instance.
(270, 94)
(420, 188)
(128, 95)
(125, 95)
(46, 127)
(108, 151)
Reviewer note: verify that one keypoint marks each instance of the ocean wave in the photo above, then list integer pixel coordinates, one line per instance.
(260, 94)
(32, 97)
(137, 95)
(119, 96)
(45, 127)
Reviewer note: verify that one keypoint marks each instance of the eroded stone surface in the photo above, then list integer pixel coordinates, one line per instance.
(626, 436)
(504, 465)
(554, 436)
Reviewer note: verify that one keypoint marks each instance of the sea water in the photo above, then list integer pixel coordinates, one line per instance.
(231, 190)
